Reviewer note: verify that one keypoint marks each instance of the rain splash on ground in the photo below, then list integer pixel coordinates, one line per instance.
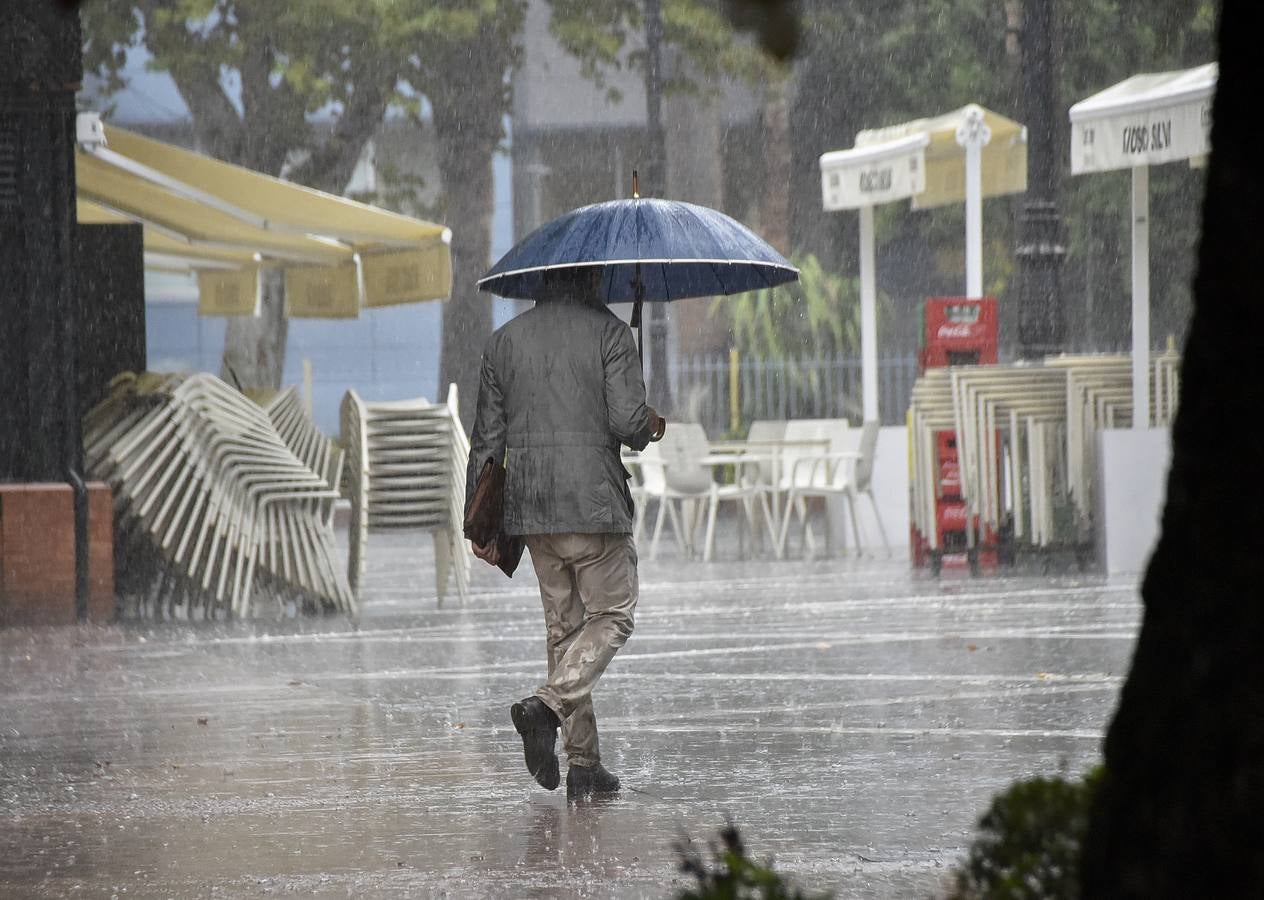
(852, 717)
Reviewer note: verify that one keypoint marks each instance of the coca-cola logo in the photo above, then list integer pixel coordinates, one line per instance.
(954, 331)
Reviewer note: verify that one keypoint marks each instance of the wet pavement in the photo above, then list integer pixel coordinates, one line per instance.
(851, 717)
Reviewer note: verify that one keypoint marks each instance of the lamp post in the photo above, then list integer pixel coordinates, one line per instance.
(1041, 246)
(656, 177)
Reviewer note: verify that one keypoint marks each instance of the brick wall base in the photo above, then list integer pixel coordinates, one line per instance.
(37, 554)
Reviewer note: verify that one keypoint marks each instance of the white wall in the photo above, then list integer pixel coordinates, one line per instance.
(1131, 479)
(550, 90)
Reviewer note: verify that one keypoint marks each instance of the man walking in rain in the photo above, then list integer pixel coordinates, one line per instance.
(561, 388)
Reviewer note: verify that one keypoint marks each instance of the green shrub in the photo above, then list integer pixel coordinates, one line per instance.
(1028, 844)
(734, 876)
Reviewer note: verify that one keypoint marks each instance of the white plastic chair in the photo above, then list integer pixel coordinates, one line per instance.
(862, 480)
(747, 488)
(674, 477)
(669, 494)
(636, 488)
(674, 473)
(814, 474)
(765, 439)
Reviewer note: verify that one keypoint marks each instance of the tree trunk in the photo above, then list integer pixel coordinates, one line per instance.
(259, 139)
(466, 147)
(254, 346)
(1181, 809)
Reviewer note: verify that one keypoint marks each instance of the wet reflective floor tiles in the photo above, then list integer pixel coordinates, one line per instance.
(852, 717)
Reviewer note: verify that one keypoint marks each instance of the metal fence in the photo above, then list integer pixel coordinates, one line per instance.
(820, 388)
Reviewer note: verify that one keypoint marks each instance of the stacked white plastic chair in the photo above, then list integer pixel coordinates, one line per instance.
(309, 443)
(930, 411)
(1025, 472)
(1027, 437)
(212, 503)
(1098, 395)
(1166, 375)
(406, 472)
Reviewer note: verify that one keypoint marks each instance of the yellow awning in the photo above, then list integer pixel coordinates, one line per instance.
(1004, 156)
(191, 221)
(235, 292)
(163, 252)
(200, 214)
(283, 205)
(322, 292)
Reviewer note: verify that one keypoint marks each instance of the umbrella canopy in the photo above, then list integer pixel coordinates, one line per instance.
(654, 250)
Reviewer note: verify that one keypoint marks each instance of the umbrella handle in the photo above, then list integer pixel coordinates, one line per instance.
(640, 332)
(638, 292)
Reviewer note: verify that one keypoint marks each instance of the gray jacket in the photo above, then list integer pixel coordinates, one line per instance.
(561, 389)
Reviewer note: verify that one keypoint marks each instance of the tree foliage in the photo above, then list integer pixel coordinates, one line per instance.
(1029, 840)
(251, 73)
(255, 72)
(732, 875)
(816, 316)
(871, 63)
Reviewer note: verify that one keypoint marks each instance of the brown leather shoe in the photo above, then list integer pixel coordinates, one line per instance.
(538, 726)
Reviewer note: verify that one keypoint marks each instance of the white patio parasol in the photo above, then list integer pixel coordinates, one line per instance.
(1143, 121)
(965, 155)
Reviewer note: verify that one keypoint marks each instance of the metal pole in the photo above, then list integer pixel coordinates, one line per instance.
(973, 135)
(307, 386)
(974, 219)
(1141, 297)
(868, 317)
(656, 176)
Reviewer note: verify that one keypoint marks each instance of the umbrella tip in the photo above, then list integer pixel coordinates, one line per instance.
(636, 186)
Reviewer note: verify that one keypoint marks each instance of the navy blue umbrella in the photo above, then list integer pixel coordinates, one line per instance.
(648, 250)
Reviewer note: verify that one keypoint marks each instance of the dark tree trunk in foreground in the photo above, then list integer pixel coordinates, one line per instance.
(1181, 812)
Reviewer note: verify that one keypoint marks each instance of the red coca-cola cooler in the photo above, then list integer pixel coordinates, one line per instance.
(956, 331)
(948, 466)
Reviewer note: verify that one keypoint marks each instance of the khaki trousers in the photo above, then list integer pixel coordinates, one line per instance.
(588, 584)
